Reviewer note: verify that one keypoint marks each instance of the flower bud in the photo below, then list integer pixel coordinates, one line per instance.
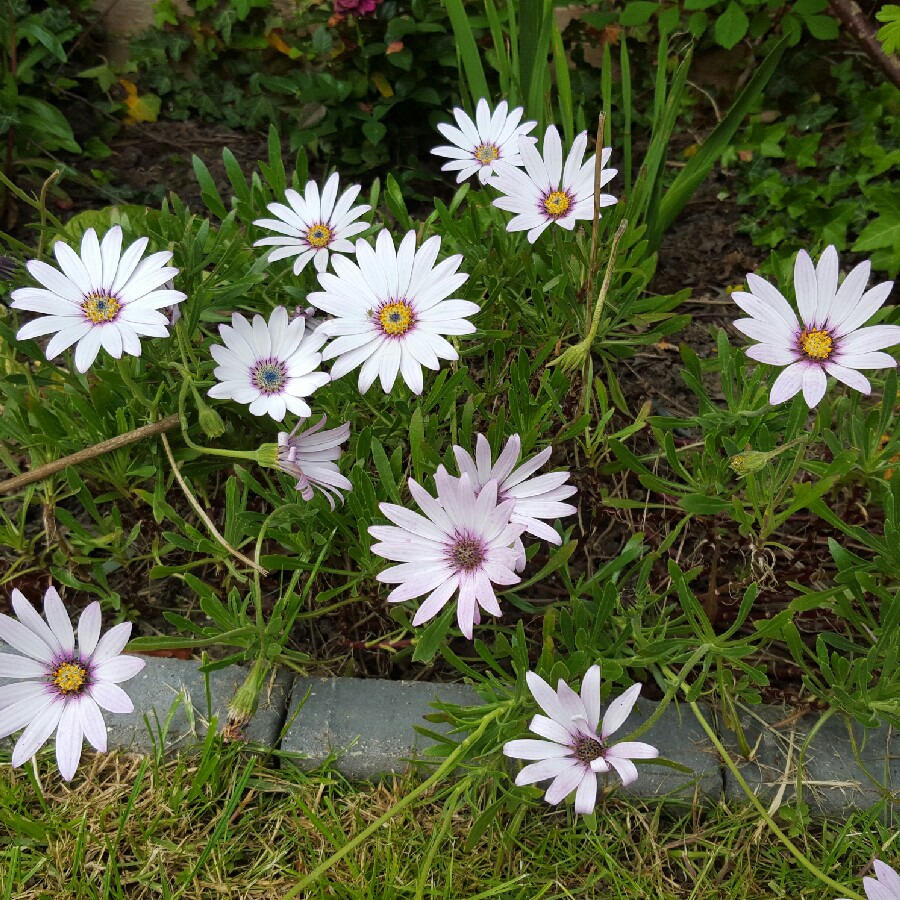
(210, 421)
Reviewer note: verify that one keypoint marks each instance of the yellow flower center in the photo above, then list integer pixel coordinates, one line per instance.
(557, 204)
(486, 153)
(69, 677)
(816, 343)
(319, 236)
(396, 318)
(99, 308)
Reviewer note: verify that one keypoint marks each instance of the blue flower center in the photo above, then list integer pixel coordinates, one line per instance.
(269, 375)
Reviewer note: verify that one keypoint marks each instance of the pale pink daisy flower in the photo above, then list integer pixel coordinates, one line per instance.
(575, 753)
(311, 226)
(101, 298)
(390, 311)
(269, 365)
(885, 885)
(462, 543)
(537, 499)
(548, 192)
(492, 140)
(829, 339)
(61, 688)
(310, 458)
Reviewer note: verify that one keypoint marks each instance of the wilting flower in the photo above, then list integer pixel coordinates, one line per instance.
(575, 753)
(885, 885)
(269, 365)
(548, 192)
(485, 144)
(61, 688)
(102, 298)
(829, 340)
(313, 226)
(391, 311)
(309, 457)
(462, 543)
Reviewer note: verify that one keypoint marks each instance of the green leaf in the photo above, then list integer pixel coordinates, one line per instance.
(823, 28)
(731, 26)
(430, 639)
(638, 12)
(889, 35)
(374, 131)
(884, 231)
(467, 49)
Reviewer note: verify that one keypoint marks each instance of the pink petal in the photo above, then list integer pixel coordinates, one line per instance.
(13, 666)
(787, 383)
(805, 286)
(119, 668)
(111, 697)
(545, 768)
(92, 723)
(32, 620)
(547, 699)
(850, 377)
(24, 639)
(814, 384)
(631, 750)
(590, 696)
(565, 783)
(586, 795)
(58, 618)
(89, 629)
(112, 643)
(35, 735)
(772, 355)
(626, 768)
(619, 710)
(549, 729)
(69, 740)
(532, 749)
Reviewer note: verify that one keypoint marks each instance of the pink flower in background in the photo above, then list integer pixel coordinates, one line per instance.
(885, 885)
(61, 688)
(356, 7)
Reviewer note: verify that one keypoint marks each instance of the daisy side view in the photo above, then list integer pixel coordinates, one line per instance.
(828, 338)
(885, 885)
(269, 365)
(462, 544)
(391, 310)
(101, 298)
(548, 192)
(483, 146)
(574, 752)
(312, 226)
(60, 687)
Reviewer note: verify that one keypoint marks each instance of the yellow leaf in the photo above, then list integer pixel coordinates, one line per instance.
(383, 85)
(691, 151)
(274, 40)
(140, 108)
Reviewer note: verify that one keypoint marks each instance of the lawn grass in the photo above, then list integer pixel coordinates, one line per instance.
(224, 823)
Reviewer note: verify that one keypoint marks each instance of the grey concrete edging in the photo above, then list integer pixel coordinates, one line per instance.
(368, 728)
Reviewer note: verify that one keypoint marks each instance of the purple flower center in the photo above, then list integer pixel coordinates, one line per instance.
(587, 749)
(466, 553)
(269, 375)
(69, 677)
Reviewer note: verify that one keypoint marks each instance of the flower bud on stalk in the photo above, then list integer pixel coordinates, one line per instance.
(245, 701)
(752, 461)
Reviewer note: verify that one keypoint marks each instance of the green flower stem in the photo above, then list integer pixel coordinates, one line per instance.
(124, 371)
(792, 848)
(446, 766)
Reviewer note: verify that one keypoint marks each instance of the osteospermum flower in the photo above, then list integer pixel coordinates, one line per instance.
(61, 687)
(462, 543)
(313, 226)
(548, 192)
(536, 498)
(309, 457)
(485, 144)
(828, 339)
(270, 365)
(575, 753)
(390, 311)
(885, 885)
(101, 298)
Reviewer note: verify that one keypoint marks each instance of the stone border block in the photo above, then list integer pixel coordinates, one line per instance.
(368, 724)
(163, 682)
(832, 781)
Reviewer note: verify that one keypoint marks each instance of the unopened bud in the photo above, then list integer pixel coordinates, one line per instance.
(210, 421)
(751, 461)
(245, 701)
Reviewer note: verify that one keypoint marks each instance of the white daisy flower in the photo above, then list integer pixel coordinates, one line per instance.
(270, 365)
(829, 340)
(485, 144)
(548, 192)
(885, 885)
(314, 226)
(390, 311)
(462, 543)
(60, 688)
(102, 298)
(574, 753)
(310, 458)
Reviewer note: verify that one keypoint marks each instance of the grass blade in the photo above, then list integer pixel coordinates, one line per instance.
(699, 165)
(467, 49)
